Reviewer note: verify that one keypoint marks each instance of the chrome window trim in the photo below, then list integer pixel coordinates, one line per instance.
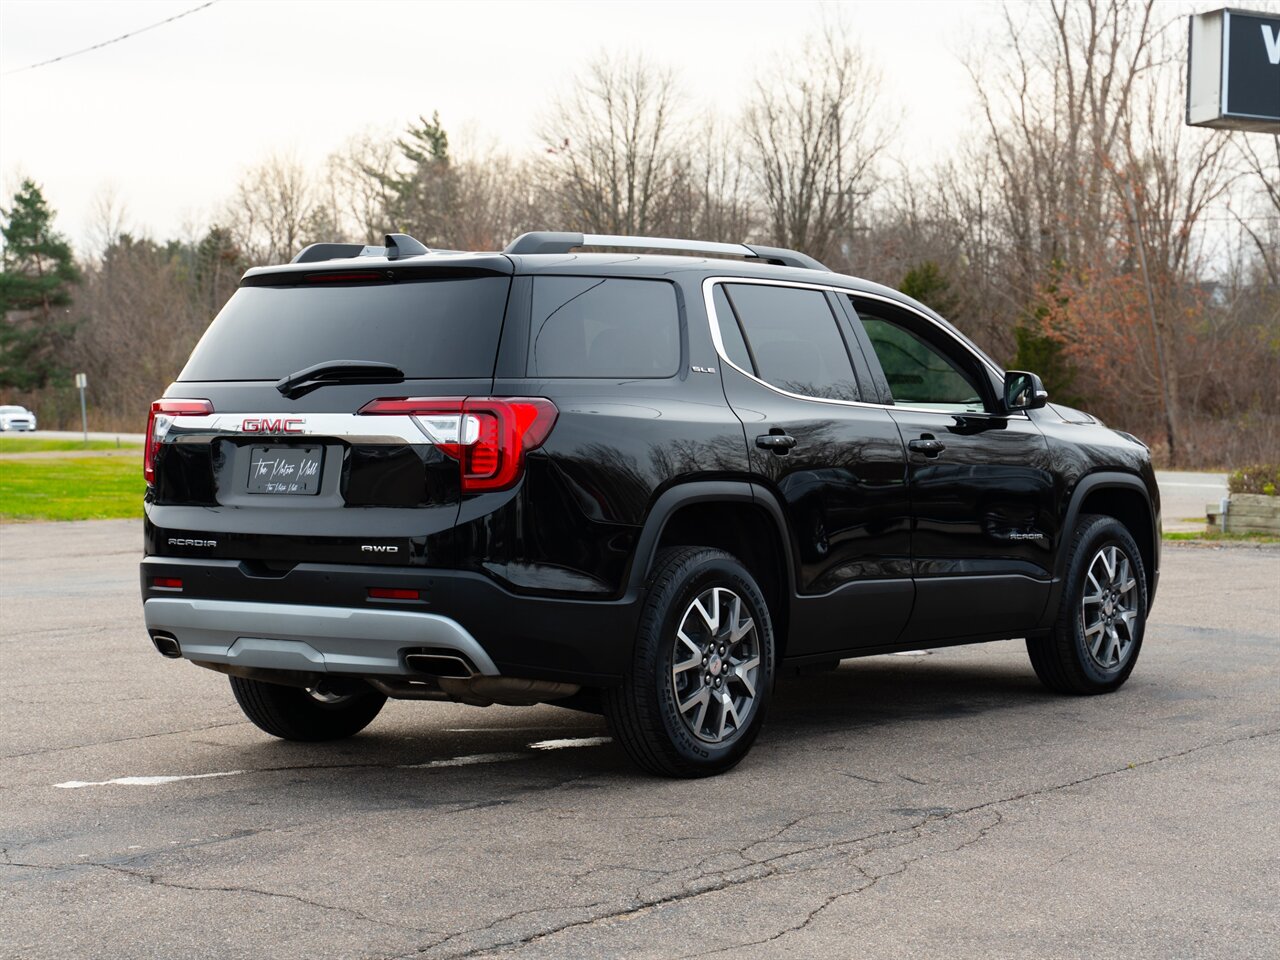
(708, 294)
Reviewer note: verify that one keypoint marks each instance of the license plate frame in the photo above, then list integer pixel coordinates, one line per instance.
(278, 470)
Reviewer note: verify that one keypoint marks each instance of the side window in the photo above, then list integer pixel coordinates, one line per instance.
(604, 327)
(918, 373)
(793, 336)
(730, 333)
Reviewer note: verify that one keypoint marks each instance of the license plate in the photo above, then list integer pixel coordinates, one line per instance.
(288, 471)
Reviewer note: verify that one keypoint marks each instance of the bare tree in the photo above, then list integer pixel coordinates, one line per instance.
(498, 198)
(614, 148)
(1166, 179)
(1260, 161)
(1055, 116)
(814, 134)
(718, 203)
(357, 190)
(276, 210)
(108, 220)
(1102, 196)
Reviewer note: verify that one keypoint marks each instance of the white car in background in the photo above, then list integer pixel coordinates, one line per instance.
(17, 418)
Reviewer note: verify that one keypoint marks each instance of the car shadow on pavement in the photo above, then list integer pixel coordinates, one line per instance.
(879, 689)
(548, 747)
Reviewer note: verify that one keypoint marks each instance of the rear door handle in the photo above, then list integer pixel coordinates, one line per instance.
(929, 446)
(777, 442)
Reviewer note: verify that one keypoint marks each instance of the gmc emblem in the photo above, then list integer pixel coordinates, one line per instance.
(272, 425)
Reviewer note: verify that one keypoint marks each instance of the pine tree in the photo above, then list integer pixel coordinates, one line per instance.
(927, 283)
(35, 291)
(425, 195)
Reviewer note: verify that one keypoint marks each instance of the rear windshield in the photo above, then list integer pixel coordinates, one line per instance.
(430, 329)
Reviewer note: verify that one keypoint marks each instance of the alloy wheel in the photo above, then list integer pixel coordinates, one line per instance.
(716, 667)
(1109, 607)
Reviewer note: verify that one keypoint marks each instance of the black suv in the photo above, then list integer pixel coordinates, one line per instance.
(638, 483)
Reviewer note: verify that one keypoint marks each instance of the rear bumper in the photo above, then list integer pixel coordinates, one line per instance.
(319, 618)
(307, 639)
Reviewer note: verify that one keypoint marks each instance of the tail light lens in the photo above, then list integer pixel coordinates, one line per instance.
(488, 436)
(159, 420)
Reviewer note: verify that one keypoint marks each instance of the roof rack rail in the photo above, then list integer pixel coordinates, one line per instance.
(394, 247)
(549, 242)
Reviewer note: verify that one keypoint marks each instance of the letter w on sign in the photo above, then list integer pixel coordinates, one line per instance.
(1272, 39)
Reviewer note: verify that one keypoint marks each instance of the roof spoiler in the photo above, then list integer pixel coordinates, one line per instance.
(548, 242)
(395, 246)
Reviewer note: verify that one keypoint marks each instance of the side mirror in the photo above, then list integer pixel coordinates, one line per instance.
(1023, 391)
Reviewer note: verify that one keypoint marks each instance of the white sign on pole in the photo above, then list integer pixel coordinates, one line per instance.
(82, 381)
(1233, 70)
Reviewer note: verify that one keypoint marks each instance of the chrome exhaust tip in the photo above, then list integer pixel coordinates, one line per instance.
(440, 665)
(167, 645)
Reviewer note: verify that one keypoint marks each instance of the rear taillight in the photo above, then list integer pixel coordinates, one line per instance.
(488, 436)
(158, 423)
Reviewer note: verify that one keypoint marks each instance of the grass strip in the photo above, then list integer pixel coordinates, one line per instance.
(34, 445)
(1218, 535)
(70, 488)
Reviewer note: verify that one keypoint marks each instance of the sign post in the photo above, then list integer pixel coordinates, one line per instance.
(81, 382)
(1233, 71)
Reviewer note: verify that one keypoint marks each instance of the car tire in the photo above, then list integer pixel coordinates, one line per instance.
(1101, 620)
(697, 689)
(294, 713)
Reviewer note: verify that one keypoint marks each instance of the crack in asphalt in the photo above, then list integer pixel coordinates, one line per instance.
(158, 881)
(105, 743)
(791, 863)
(872, 880)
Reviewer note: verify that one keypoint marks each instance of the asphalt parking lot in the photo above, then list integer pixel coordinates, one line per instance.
(898, 807)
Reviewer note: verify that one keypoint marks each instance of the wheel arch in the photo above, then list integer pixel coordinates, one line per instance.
(1125, 497)
(741, 518)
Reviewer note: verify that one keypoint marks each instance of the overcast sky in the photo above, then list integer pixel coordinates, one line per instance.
(171, 118)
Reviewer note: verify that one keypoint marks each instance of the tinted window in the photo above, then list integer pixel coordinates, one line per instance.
(730, 333)
(919, 374)
(598, 327)
(794, 339)
(431, 329)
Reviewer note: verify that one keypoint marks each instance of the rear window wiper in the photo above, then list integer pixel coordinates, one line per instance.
(338, 371)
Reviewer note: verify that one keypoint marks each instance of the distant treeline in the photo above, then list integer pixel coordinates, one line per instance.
(1081, 230)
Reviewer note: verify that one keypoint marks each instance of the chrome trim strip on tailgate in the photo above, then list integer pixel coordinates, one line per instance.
(282, 426)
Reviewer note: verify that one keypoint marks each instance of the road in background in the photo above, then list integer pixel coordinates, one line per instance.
(1184, 496)
(897, 807)
(124, 438)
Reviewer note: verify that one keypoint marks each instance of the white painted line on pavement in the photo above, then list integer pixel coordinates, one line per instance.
(1198, 486)
(577, 742)
(464, 761)
(143, 781)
